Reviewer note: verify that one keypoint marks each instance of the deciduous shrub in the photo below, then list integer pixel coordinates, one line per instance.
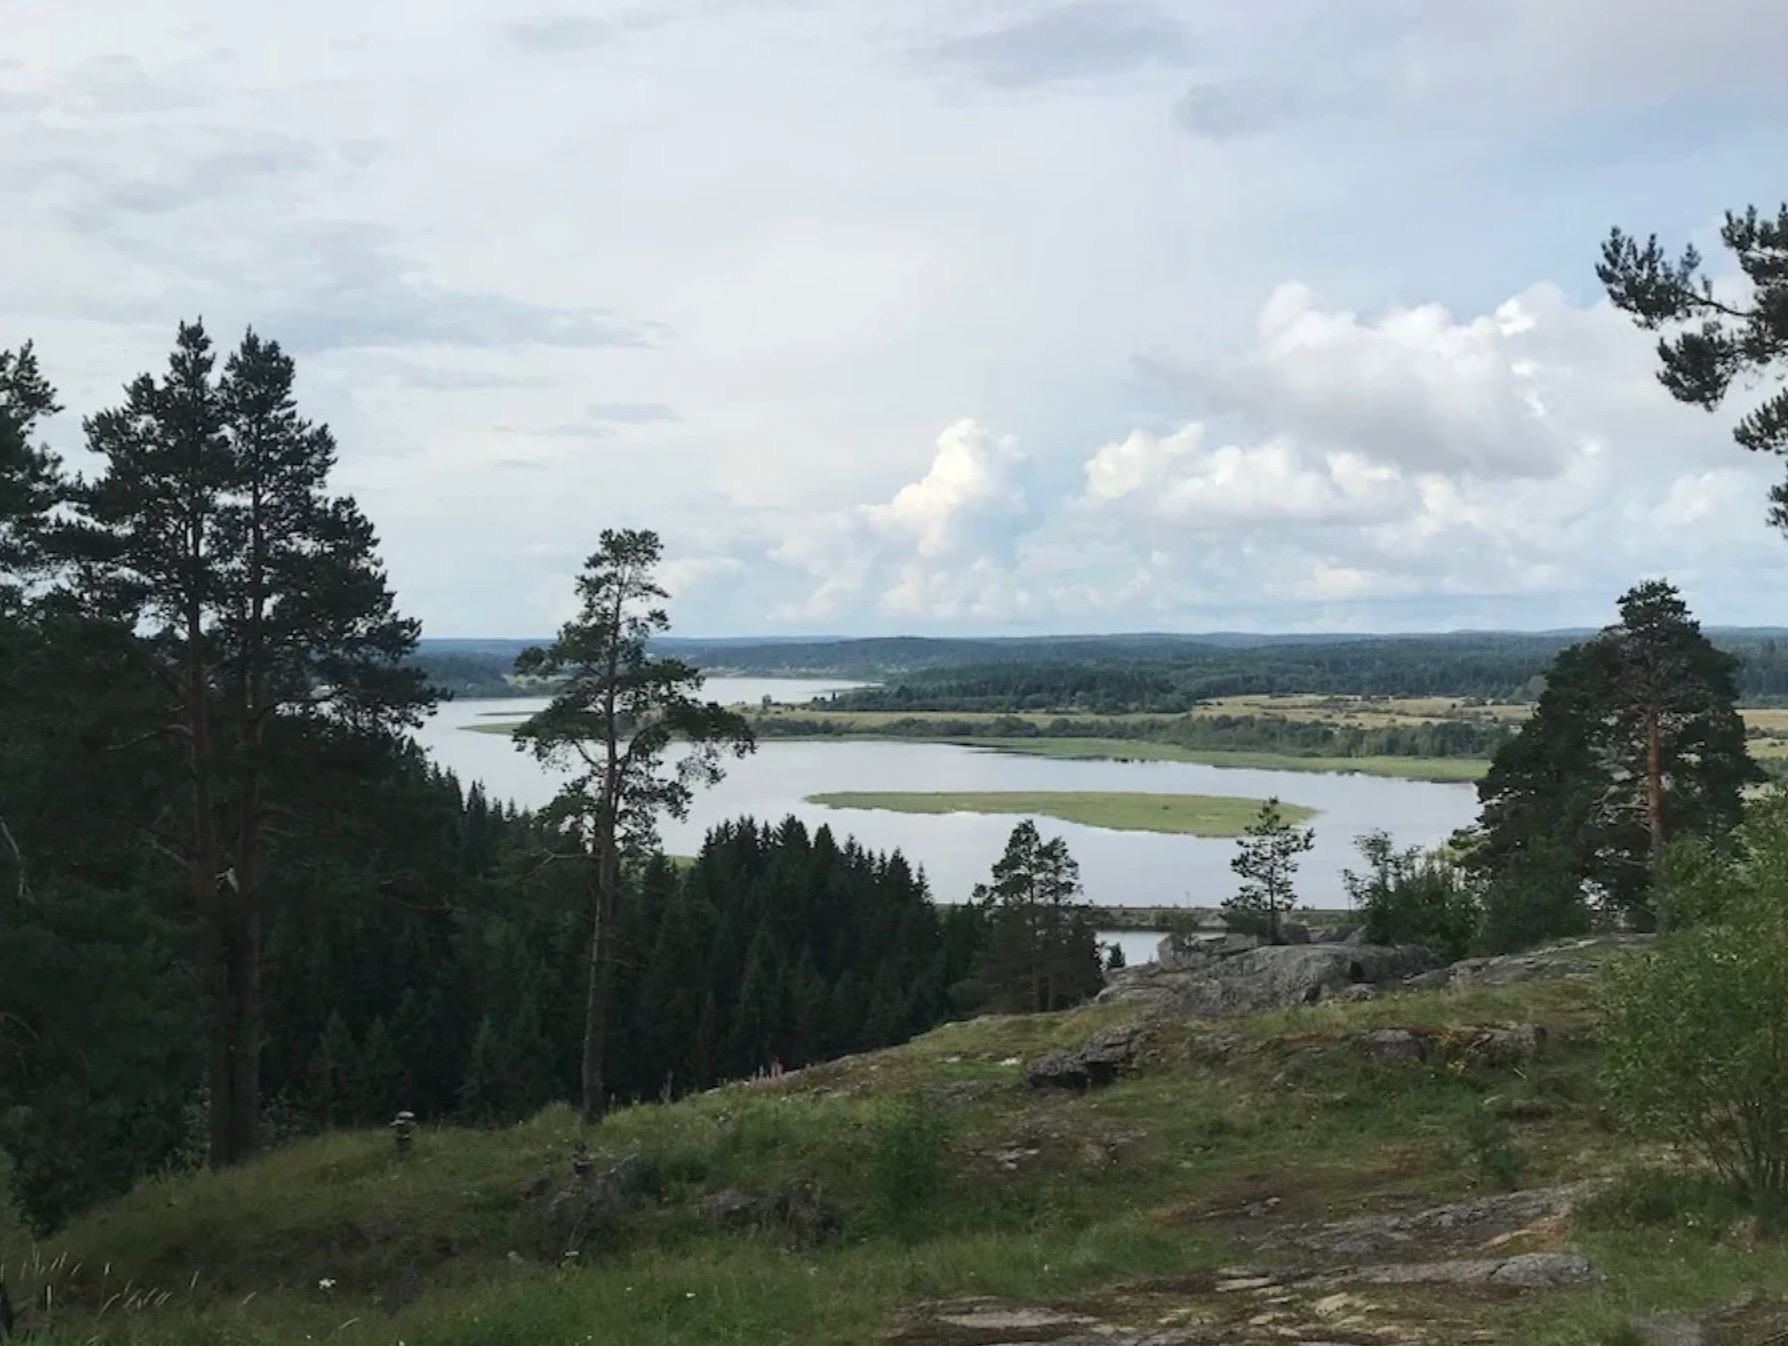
(1695, 1033)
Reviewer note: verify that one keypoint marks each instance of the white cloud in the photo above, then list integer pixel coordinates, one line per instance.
(939, 549)
(724, 269)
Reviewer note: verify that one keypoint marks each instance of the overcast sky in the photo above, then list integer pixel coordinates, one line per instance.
(999, 316)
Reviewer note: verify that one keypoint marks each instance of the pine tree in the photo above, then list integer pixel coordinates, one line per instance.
(334, 1073)
(381, 1084)
(1718, 341)
(270, 627)
(616, 713)
(1636, 739)
(1267, 864)
(1041, 953)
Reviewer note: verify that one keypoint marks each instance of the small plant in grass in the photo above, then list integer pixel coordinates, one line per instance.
(1657, 1198)
(906, 1168)
(1492, 1148)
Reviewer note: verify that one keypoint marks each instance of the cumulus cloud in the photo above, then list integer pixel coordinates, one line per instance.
(1404, 458)
(941, 547)
(1412, 387)
(724, 268)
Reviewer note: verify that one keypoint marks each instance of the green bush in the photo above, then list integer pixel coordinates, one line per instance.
(1695, 1034)
(1534, 900)
(1406, 897)
(1655, 1198)
(909, 1145)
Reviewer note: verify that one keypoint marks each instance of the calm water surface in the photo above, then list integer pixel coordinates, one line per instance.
(956, 850)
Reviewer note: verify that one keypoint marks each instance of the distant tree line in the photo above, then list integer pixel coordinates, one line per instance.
(1498, 667)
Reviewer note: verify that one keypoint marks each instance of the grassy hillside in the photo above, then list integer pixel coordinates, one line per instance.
(1124, 1202)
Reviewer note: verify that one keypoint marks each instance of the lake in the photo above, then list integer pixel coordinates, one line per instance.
(957, 850)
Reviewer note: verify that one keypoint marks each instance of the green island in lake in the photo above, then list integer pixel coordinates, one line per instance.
(1123, 811)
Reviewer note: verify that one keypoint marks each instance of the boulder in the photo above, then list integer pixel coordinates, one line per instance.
(1281, 975)
(1199, 949)
(1488, 1044)
(1671, 1329)
(1395, 1044)
(1097, 1061)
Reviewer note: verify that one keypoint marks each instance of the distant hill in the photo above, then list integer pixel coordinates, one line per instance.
(1456, 663)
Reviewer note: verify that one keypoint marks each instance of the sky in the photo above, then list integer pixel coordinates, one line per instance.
(968, 316)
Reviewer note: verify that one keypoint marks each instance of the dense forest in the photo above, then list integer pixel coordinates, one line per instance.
(239, 904)
(1491, 667)
(1160, 675)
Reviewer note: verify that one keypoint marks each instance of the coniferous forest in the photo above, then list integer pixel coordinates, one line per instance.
(240, 904)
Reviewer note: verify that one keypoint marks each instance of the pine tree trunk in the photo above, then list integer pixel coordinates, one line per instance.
(1654, 785)
(595, 1098)
(215, 952)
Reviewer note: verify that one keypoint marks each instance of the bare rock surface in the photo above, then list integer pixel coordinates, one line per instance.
(998, 1322)
(1525, 1271)
(1577, 960)
(1097, 1061)
(1454, 1225)
(1208, 975)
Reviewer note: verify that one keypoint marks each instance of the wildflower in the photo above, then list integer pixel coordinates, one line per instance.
(326, 1284)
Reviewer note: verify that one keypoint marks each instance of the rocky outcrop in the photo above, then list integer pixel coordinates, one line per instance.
(1524, 1271)
(1097, 1061)
(1577, 960)
(1208, 975)
(999, 1322)
(1456, 1225)
(1488, 1044)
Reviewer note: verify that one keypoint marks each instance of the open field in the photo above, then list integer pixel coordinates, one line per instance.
(1193, 815)
(1366, 712)
(1442, 769)
(1772, 722)
(1123, 1203)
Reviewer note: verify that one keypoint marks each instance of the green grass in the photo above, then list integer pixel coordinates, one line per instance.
(1117, 1205)
(1444, 769)
(1194, 815)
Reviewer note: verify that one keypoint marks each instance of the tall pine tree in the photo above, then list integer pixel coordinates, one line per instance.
(613, 721)
(270, 631)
